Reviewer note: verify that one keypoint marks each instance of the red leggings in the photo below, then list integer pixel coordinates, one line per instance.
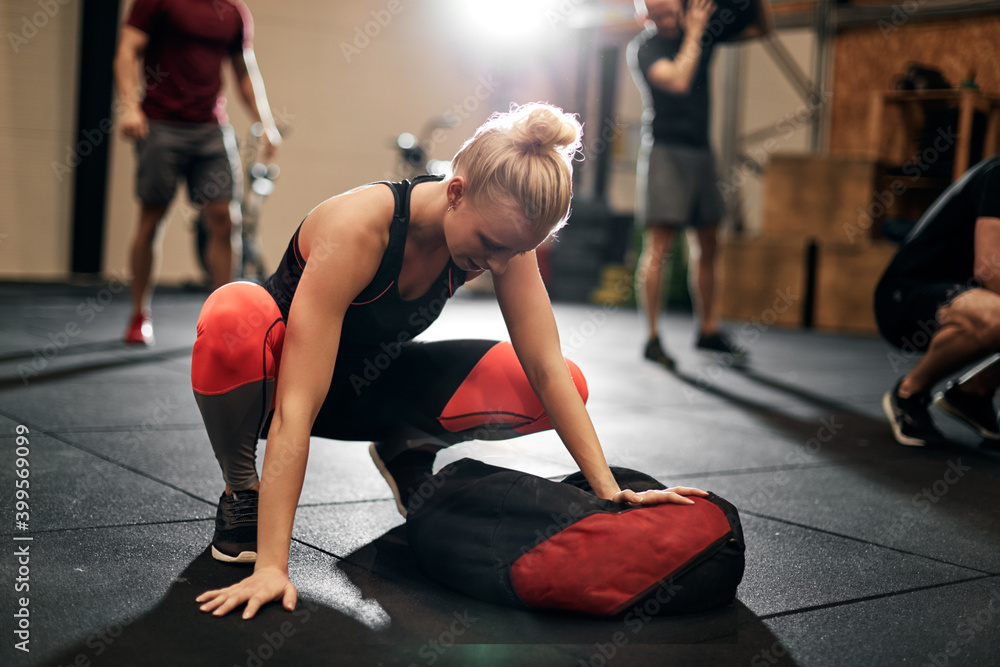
(443, 392)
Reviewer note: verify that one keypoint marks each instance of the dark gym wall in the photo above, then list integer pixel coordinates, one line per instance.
(98, 37)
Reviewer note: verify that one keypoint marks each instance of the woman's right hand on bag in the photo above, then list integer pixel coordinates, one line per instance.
(263, 586)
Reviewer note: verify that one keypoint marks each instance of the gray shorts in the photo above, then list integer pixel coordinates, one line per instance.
(677, 186)
(204, 154)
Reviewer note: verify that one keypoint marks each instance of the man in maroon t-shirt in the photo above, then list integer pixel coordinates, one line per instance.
(177, 118)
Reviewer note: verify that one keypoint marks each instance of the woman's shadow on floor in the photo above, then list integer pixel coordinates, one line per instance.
(375, 607)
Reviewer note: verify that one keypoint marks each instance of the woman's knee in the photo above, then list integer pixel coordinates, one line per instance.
(235, 332)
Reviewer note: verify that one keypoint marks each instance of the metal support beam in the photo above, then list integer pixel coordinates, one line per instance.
(731, 144)
(821, 66)
(786, 63)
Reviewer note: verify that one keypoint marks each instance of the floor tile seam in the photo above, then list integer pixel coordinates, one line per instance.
(344, 559)
(124, 428)
(870, 598)
(977, 450)
(866, 542)
(122, 352)
(112, 347)
(766, 430)
(118, 361)
(36, 432)
(842, 398)
(697, 407)
(619, 407)
(711, 401)
(778, 468)
(333, 503)
(138, 524)
(172, 357)
(847, 462)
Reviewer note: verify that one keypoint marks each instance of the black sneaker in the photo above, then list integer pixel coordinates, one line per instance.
(910, 419)
(235, 539)
(975, 410)
(405, 473)
(719, 342)
(654, 352)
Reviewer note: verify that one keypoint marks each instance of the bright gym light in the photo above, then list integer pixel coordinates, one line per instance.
(508, 21)
(406, 141)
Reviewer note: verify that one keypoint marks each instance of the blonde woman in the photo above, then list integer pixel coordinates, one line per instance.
(327, 342)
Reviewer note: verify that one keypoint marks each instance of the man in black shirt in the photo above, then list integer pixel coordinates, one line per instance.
(941, 295)
(676, 176)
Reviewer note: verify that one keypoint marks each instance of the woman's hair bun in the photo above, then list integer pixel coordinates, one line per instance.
(537, 128)
(523, 158)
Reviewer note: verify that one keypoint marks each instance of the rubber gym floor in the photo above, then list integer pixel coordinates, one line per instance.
(859, 551)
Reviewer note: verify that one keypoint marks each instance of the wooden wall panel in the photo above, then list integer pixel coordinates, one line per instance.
(846, 278)
(812, 197)
(762, 281)
(38, 148)
(868, 59)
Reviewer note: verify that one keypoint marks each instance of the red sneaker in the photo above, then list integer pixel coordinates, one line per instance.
(140, 330)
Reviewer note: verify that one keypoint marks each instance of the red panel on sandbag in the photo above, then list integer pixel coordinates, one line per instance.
(603, 562)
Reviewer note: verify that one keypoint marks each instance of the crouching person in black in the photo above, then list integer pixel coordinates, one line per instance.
(940, 296)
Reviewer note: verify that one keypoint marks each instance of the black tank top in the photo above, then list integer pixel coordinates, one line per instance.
(378, 314)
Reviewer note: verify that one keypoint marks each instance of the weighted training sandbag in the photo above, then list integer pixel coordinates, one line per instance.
(730, 18)
(517, 539)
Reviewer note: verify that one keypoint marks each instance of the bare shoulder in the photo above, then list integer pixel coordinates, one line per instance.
(358, 220)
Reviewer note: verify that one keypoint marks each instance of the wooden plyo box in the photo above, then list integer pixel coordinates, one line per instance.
(762, 281)
(821, 198)
(846, 276)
